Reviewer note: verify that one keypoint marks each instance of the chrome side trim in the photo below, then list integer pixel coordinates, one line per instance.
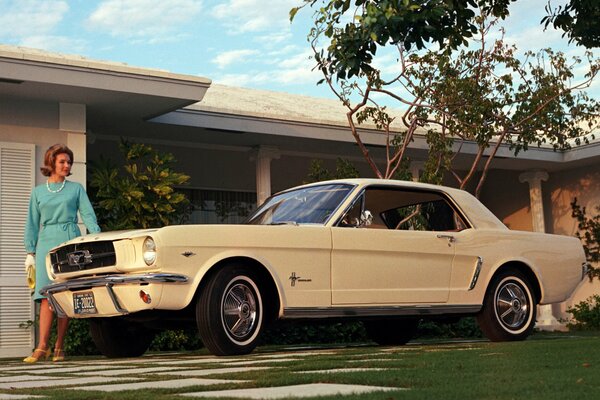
(398, 311)
(476, 273)
(107, 281)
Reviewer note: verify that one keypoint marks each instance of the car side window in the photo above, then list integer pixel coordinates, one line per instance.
(352, 218)
(412, 210)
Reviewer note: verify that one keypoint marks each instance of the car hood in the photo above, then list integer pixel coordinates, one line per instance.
(112, 235)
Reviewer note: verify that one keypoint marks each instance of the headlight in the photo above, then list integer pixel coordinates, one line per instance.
(149, 251)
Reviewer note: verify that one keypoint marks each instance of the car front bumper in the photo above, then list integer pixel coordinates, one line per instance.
(113, 294)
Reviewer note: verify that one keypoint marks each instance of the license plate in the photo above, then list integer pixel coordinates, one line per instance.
(84, 303)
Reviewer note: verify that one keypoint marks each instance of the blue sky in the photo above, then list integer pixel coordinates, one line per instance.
(248, 43)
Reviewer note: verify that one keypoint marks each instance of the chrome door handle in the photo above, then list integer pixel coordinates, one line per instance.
(450, 238)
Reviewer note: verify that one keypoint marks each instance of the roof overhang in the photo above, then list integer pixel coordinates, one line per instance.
(110, 91)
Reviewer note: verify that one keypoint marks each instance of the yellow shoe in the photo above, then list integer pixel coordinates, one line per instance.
(59, 355)
(37, 355)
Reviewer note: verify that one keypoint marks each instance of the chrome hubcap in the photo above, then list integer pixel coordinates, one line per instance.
(239, 310)
(512, 306)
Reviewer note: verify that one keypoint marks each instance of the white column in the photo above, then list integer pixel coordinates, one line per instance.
(72, 119)
(535, 178)
(263, 156)
(415, 169)
(545, 320)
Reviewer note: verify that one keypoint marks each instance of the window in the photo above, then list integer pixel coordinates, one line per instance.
(310, 205)
(405, 210)
(219, 206)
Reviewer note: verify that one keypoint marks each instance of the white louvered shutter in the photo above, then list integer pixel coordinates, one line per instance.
(17, 178)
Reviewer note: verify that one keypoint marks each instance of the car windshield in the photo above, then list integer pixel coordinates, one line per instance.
(311, 205)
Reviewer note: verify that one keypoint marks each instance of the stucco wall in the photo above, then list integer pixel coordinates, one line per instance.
(34, 123)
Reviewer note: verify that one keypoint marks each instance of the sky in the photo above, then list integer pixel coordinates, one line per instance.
(248, 43)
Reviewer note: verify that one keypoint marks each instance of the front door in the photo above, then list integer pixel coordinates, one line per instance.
(403, 255)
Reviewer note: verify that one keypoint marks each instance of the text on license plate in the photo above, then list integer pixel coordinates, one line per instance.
(83, 303)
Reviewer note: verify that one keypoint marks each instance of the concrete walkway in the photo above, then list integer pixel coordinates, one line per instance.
(199, 376)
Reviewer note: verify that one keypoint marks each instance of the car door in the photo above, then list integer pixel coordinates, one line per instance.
(403, 256)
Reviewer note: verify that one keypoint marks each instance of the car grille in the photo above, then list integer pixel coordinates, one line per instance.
(83, 257)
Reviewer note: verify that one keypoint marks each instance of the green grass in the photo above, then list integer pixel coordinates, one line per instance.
(547, 366)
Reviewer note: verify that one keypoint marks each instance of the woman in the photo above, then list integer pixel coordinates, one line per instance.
(52, 220)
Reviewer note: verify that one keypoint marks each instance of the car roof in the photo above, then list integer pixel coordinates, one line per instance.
(478, 215)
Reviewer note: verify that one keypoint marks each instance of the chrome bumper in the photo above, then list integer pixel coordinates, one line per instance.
(108, 282)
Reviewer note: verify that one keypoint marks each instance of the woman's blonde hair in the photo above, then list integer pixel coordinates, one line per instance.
(50, 158)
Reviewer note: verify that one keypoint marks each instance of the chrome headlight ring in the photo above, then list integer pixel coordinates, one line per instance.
(149, 251)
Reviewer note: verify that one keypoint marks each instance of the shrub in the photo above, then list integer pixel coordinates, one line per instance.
(586, 314)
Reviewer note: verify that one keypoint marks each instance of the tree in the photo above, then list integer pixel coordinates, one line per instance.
(416, 23)
(578, 19)
(482, 95)
(143, 194)
(343, 169)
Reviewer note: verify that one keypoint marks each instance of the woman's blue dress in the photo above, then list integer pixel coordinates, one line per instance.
(52, 220)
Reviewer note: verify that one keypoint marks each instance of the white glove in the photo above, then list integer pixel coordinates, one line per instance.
(29, 260)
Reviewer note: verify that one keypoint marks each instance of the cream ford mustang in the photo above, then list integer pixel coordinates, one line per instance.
(388, 253)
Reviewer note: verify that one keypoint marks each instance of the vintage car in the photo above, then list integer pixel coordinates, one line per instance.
(385, 252)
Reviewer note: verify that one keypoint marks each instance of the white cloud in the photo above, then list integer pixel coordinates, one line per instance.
(242, 80)
(59, 44)
(232, 57)
(24, 18)
(148, 19)
(241, 16)
(292, 71)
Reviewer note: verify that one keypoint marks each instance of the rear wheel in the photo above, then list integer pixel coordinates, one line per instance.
(116, 337)
(509, 308)
(394, 332)
(229, 311)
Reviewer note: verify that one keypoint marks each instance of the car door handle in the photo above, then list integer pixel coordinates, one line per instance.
(450, 238)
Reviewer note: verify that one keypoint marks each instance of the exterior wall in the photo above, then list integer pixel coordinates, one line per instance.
(212, 167)
(208, 168)
(35, 126)
(508, 199)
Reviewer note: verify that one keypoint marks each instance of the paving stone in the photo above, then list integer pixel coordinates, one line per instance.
(213, 371)
(295, 354)
(274, 360)
(19, 378)
(129, 371)
(31, 367)
(50, 381)
(82, 370)
(137, 360)
(309, 390)
(6, 396)
(215, 360)
(402, 349)
(371, 360)
(338, 370)
(171, 384)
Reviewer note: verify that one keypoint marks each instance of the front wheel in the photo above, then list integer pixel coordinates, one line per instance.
(229, 311)
(509, 308)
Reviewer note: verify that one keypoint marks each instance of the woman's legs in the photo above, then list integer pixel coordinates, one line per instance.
(46, 316)
(62, 326)
(41, 351)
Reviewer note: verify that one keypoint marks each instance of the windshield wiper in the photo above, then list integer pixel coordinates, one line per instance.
(284, 223)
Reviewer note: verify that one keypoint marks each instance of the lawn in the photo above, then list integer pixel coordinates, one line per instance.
(546, 366)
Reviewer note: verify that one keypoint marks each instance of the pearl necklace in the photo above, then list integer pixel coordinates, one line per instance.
(57, 190)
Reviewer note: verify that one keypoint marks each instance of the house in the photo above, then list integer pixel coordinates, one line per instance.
(238, 145)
